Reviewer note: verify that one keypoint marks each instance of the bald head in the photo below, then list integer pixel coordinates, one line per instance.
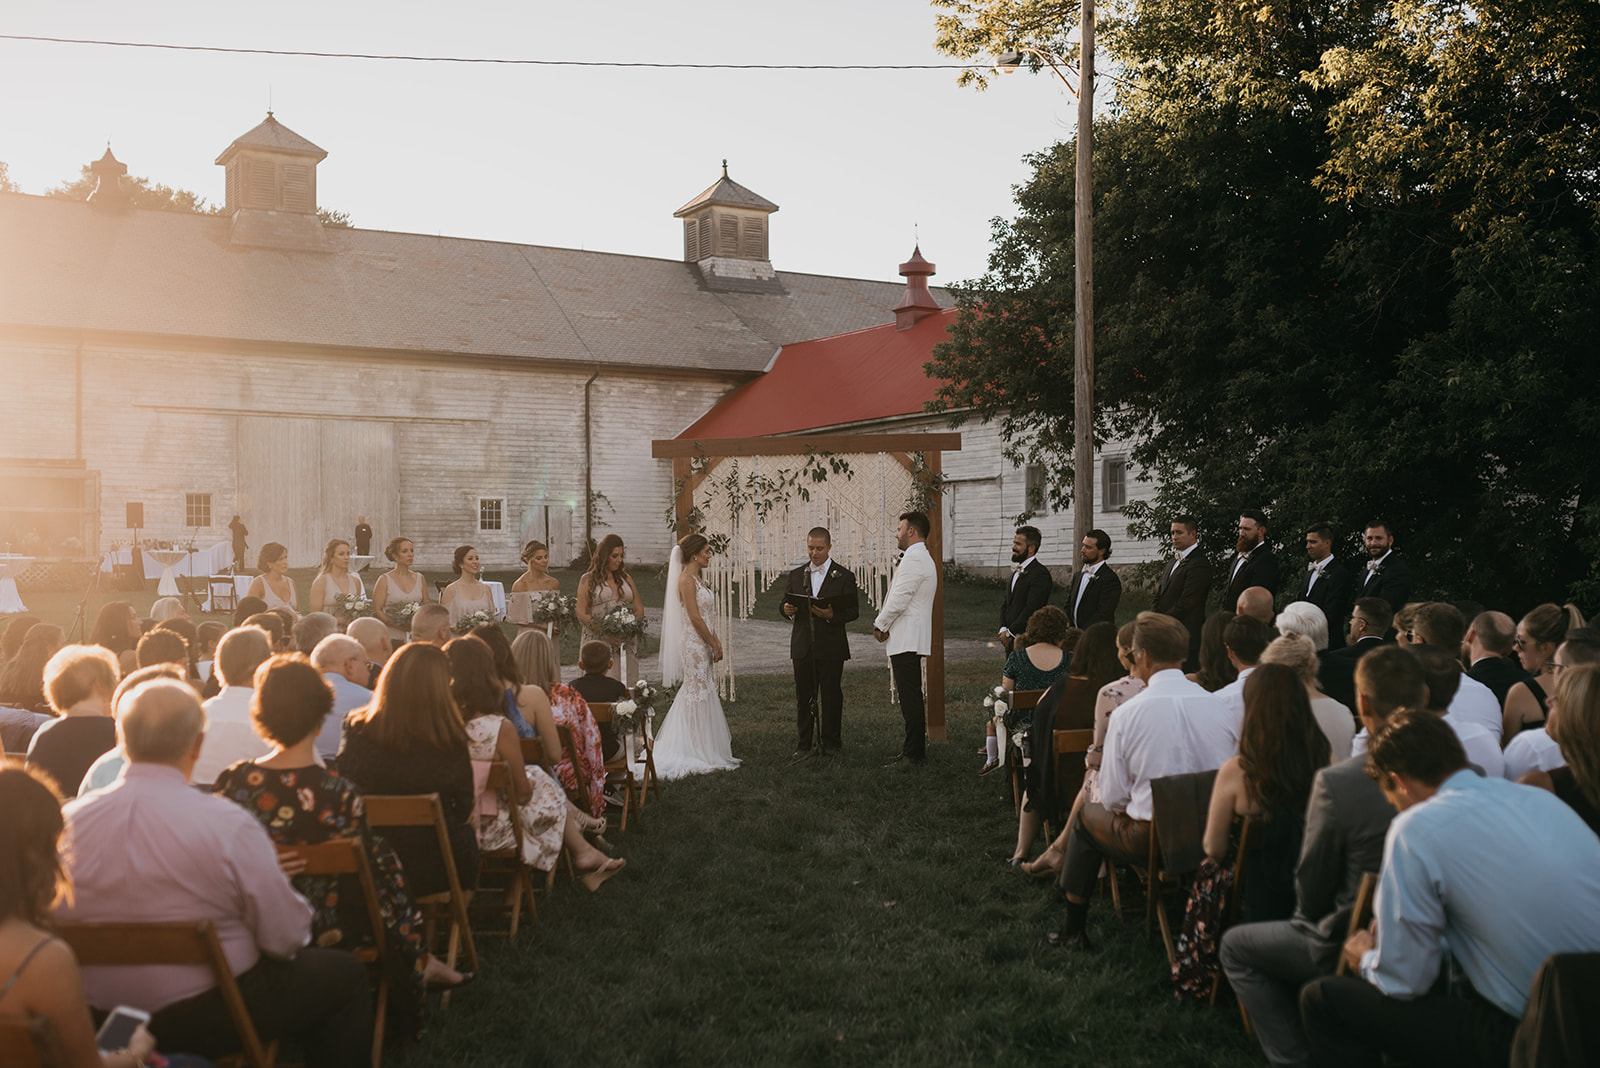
(160, 722)
(431, 624)
(339, 654)
(1491, 634)
(373, 634)
(1255, 602)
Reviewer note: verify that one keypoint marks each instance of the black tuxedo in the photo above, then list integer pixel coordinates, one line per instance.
(1260, 568)
(1392, 582)
(1181, 594)
(1029, 592)
(1332, 595)
(1100, 600)
(1338, 672)
(1499, 673)
(822, 665)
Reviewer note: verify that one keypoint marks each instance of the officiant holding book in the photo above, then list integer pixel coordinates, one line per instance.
(821, 598)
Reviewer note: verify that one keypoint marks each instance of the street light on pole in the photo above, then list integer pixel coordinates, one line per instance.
(1083, 267)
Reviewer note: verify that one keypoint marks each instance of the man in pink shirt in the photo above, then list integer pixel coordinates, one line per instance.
(149, 848)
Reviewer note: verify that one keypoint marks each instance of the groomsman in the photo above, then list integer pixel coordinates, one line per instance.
(906, 623)
(819, 645)
(1386, 574)
(1030, 586)
(1185, 581)
(1253, 562)
(1096, 590)
(1327, 582)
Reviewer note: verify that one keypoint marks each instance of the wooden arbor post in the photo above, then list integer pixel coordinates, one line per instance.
(686, 480)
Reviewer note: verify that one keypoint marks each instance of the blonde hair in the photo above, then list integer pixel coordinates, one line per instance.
(327, 556)
(1294, 651)
(536, 659)
(167, 608)
(1576, 727)
(76, 671)
(1305, 619)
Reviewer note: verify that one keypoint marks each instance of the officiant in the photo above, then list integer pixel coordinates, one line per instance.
(820, 600)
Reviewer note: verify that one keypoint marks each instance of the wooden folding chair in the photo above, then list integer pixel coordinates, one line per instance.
(1177, 828)
(618, 765)
(508, 861)
(125, 944)
(533, 752)
(424, 810)
(1069, 750)
(1360, 914)
(29, 1042)
(1020, 701)
(341, 857)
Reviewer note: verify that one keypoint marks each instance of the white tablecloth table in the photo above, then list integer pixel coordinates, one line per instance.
(497, 590)
(359, 564)
(12, 565)
(168, 586)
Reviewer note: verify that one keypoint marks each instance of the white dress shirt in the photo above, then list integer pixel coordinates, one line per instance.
(1483, 748)
(347, 697)
(1232, 696)
(1532, 750)
(150, 848)
(1316, 568)
(1172, 727)
(229, 736)
(817, 575)
(907, 612)
(1475, 703)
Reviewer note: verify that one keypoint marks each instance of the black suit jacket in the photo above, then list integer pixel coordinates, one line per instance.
(1332, 595)
(833, 642)
(1100, 600)
(1026, 596)
(1499, 673)
(1392, 582)
(1260, 569)
(1338, 671)
(1182, 592)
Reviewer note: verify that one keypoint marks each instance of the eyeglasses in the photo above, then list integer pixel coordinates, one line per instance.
(1557, 667)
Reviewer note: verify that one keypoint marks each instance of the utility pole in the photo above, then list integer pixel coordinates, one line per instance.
(1083, 293)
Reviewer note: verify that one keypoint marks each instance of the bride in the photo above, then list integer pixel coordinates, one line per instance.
(694, 737)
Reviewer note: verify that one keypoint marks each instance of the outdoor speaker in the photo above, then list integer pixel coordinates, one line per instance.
(135, 515)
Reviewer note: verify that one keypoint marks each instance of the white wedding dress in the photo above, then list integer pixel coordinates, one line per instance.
(694, 737)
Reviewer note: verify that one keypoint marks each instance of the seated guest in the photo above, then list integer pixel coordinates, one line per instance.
(1535, 749)
(596, 686)
(230, 737)
(1442, 626)
(1216, 670)
(1369, 619)
(117, 628)
(167, 608)
(104, 771)
(80, 680)
(1538, 635)
(1171, 728)
(1307, 620)
(22, 678)
(1462, 847)
(1347, 818)
(343, 663)
(1281, 748)
(1068, 704)
(1403, 618)
(522, 703)
(15, 634)
(43, 973)
(539, 669)
(548, 819)
(18, 726)
(310, 629)
(247, 607)
(1489, 660)
(411, 740)
(431, 625)
(1255, 602)
(184, 628)
(277, 630)
(289, 617)
(148, 849)
(1337, 722)
(163, 647)
(1575, 720)
(1246, 638)
(209, 634)
(1030, 668)
(374, 638)
(299, 802)
(1444, 674)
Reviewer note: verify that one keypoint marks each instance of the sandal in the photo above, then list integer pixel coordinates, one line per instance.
(593, 879)
(1039, 870)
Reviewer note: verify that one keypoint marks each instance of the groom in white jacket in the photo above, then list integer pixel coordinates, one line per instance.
(906, 623)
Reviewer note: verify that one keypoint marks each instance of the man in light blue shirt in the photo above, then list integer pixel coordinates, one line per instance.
(1459, 857)
(343, 663)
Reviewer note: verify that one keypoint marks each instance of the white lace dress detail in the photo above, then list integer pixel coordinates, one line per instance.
(694, 737)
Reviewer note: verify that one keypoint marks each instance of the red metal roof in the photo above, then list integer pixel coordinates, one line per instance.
(866, 374)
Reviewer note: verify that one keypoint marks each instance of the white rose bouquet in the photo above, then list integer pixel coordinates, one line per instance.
(479, 618)
(348, 607)
(620, 624)
(555, 608)
(400, 613)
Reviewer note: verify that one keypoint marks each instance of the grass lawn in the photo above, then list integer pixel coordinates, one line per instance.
(835, 913)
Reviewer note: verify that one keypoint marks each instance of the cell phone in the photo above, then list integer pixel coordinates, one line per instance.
(119, 1027)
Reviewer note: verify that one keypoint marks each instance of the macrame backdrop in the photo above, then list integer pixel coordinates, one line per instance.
(859, 509)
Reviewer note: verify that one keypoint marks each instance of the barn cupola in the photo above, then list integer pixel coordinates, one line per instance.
(725, 236)
(918, 303)
(108, 193)
(272, 188)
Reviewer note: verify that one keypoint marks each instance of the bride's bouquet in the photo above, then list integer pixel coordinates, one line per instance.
(479, 618)
(400, 613)
(555, 608)
(620, 624)
(349, 607)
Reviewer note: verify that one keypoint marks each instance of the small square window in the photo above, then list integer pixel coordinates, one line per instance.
(491, 514)
(1036, 490)
(197, 509)
(1113, 484)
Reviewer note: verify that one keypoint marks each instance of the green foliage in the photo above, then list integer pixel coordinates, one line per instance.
(142, 193)
(334, 217)
(1345, 265)
(6, 184)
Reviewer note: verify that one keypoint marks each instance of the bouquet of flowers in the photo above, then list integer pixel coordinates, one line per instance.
(1008, 722)
(400, 613)
(555, 608)
(620, 624)
(479, 618)
(624, 715)
(638, 712)
(348, 607)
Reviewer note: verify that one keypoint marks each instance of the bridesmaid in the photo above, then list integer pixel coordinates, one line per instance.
(604, 586)
(333, 577)
(400, 584)
(273, 585)
(537, 579)
(467, 594)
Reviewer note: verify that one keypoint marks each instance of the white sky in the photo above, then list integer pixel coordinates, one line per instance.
(592, 158)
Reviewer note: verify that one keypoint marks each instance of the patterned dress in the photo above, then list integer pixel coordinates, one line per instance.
(1025, 676)
(544, 816)
(572, 711)
(1112, 694)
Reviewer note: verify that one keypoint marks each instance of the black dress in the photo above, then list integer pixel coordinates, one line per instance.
(376, 769)
(66, 747)
(1566, 787)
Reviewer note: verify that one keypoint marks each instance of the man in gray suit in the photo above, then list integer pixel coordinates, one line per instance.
(1346, 822)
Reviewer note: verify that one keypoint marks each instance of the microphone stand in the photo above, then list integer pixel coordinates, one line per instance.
(816, 679)
(80, 619)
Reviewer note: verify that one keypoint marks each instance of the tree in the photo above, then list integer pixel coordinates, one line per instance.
(1301, 308)
(143, 193)
(6, 184)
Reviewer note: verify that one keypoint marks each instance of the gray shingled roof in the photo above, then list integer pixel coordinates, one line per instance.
(726, 191)
(271, 133)
(65, 265)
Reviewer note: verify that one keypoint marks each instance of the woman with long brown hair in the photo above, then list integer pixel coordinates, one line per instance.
(604, 587)
(117, 628)
(334, 577)
(273, 585)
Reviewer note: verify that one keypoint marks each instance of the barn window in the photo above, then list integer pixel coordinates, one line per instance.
(197, 509)
(1037, 491)
(1113, 484)
(491, 514)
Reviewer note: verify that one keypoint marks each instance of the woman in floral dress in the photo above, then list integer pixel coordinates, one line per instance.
(536, 663)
